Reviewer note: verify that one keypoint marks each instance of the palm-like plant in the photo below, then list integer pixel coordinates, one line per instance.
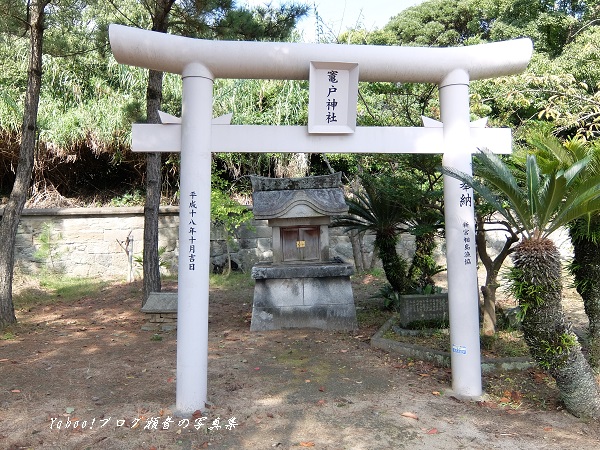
(383, 208)
(546, 202)
(584, 231)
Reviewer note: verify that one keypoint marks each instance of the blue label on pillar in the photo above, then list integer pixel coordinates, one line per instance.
(459, 349)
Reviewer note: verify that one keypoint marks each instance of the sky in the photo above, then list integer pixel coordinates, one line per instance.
(340, 15)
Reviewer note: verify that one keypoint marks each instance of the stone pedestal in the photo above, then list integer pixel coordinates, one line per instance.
(303, 296)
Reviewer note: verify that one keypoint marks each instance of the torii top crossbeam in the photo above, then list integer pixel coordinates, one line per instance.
(291, 61)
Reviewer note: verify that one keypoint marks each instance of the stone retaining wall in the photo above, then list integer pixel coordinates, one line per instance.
(84, 242)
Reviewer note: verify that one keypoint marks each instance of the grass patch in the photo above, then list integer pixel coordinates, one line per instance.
(7, 336)
(57, 288)
(504, 344)
(234, 280)
(369, 316)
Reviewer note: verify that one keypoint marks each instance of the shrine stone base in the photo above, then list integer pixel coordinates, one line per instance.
(303, 296)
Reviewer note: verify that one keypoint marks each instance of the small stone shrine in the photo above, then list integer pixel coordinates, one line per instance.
(302, 287)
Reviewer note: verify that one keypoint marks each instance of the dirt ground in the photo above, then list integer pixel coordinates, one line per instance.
(84, 375)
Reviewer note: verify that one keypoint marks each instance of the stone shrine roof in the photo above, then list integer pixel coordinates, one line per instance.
(298, 197)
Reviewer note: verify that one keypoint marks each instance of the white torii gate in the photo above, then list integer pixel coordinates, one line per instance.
(199, 62)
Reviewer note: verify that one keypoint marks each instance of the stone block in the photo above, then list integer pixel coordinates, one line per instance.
(218, 248)
(161, 302)
(328, 291)
(263, 231)
(277, 293)
(263, 244)
(246, 244)
(325, 303)
(321, 317)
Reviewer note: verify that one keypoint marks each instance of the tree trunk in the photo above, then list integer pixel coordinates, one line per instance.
(151, 260)
(536, 281)
(423, 265)
(357, 251)
(488, 291)
(394, 265)
(374, 257)
(492, 268)
(586, 271)
(18, 196)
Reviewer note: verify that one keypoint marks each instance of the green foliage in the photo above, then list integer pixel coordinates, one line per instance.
(440, 23)
(555, 354)
(224, 210)
(139, 259)
(542, 203)
(6, 335)
(508, 344)
(260, 22)
(391, 297)
(135, 198)
(530, 295)
(231, 281)
(383, 209)
(57, 288)
(47, 245)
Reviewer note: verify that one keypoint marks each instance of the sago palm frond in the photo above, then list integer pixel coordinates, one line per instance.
(547, 202)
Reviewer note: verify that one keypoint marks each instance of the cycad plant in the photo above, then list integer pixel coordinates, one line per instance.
(584, 231)
(543, 204)
(384, 208)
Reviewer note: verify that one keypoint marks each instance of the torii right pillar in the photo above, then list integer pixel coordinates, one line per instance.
(463, 298)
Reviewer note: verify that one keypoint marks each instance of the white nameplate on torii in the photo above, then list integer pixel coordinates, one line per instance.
(166, 137)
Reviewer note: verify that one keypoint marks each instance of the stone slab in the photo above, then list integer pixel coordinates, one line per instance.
(324, 270)
(161, 302)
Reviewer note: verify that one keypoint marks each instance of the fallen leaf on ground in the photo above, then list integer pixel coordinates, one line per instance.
(410, 415)
(433, 431)
(436, 393)
(15, 391)
(307, 444)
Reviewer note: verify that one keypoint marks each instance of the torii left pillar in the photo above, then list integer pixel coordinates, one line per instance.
(194, 239)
